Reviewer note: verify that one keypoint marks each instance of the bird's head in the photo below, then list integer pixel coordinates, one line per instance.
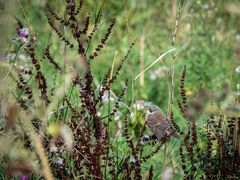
(151, 108)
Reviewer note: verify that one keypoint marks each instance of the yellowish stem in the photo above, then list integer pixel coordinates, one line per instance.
(142, 41)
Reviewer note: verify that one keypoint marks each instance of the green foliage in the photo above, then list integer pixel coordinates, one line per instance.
(206, 39)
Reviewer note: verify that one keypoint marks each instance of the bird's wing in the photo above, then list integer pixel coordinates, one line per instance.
(155, 119)
(160, 130)
(161, 118)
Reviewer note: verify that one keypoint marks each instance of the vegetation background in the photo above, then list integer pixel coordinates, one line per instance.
(207, 41)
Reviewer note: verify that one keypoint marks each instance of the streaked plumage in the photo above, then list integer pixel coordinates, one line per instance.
(158, 122)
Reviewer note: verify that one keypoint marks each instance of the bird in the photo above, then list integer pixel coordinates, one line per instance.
(158, 123)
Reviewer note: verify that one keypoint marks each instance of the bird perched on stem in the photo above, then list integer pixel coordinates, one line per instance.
(158, 123)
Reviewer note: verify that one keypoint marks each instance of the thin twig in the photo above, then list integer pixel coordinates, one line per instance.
(158, 59)
(142, 41)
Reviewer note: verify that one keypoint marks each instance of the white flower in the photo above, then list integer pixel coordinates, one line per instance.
(205, 6)
(59, 161)
(139, 104)
(238, 37)
(153, 77)
(99, 113)
(53, 148)
(23, 40)
(132, 159)
(238, 69)
(132, 114)
(22, 57)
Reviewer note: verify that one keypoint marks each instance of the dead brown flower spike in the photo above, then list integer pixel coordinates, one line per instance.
(11, 116)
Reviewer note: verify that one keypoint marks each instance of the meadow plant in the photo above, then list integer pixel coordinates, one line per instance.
(60, 122)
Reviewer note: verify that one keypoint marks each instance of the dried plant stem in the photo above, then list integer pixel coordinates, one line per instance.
(164, 157)
(9, 71)
(142, 41)
(176, 27)
(24, 15)
(39, 147)
(172, 91)
(158, 59)
(113, 64)
(174, 8)
(40, 150)
(173, 44)
(171, 160)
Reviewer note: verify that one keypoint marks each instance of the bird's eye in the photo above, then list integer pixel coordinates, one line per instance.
(150, 110)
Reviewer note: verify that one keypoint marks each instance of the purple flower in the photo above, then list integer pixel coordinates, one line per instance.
(23, 32)
(23, 177)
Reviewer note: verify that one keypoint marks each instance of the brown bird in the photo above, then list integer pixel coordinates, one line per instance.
(159, 124)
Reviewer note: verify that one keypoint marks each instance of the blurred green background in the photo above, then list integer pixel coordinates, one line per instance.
(207, 41)
(207, 38)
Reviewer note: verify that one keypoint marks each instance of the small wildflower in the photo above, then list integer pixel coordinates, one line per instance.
(132, 114)
(59, 161)
(132, 159)
(139, 105)
(23, 40)
(238, 37)
(23, 177)
(99, 113)
(23, 32)
(53, 148)
(22, 57)
(238, 69)
(205, 6)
